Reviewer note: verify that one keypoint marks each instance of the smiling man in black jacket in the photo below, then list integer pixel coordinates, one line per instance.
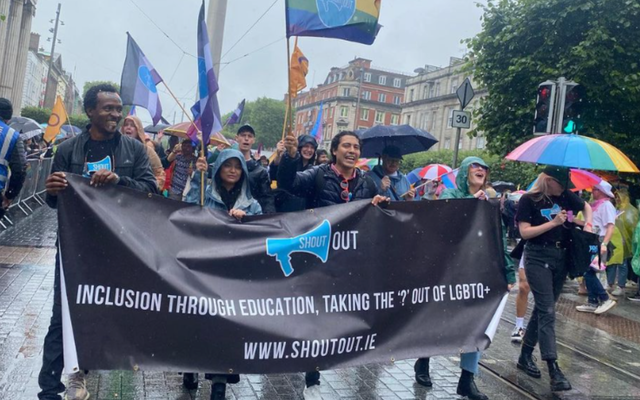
(109, 158)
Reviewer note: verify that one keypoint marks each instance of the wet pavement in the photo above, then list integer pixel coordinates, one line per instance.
(599, 354)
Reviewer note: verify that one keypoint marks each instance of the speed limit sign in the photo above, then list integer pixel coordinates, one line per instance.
(461, 119)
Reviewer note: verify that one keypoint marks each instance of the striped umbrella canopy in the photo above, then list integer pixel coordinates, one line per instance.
(573, 151)
(366, 164)
(433, 171)
(580, 180)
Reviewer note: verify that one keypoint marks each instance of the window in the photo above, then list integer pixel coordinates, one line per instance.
(447, 143)
(366, 95)
(397, 82)
(437, 89)
(425, 92)
(454, 85)
(411, 92)
(450, 119)
(432, 90)
(344, 111)
(379, 117)
(425, 121)
(395, 119)
(346, 92)
(382, 98)
(480, 142)
(396, 100)
(382, 80)
(407, 119)
(433, 120)
(364, 114)
(367, 77)
(341, 76)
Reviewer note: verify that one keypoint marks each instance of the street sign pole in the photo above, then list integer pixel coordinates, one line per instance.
(465, 94)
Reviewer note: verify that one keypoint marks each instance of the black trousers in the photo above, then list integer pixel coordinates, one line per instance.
(52, 354)
(546, 272)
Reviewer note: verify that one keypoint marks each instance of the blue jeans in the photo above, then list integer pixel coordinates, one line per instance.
(595, 290)
(469, 361)
(620, 271)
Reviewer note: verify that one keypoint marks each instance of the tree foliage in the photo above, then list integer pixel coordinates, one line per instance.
(521, 174)
(265, 115)
(592, 42)
(41, 116)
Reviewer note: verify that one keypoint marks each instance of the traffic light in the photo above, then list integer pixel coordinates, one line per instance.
(545, 105)
(571, 104)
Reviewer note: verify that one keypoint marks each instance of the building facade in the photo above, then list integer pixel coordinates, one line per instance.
(430, 99)
(15, 35)
(353, 97)
(35, 80)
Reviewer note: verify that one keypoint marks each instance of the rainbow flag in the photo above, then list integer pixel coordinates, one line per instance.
(352, 20)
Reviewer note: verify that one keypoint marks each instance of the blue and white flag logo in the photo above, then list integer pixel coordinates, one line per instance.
(334, 13)
(92, 167)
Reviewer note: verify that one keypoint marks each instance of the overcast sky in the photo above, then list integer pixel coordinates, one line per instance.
(415, 33)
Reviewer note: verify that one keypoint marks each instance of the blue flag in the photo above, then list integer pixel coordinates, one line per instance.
(237, 114)
(139, 80)
(206, 110)
(317, 128)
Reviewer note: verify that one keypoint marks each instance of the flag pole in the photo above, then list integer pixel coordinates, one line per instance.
(202, 148)
(288, 106)
(286, 117)
(290, 125)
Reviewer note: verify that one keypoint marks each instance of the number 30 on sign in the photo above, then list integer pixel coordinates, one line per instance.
(461, 119)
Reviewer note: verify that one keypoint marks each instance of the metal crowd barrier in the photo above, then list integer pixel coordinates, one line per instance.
(33, 188)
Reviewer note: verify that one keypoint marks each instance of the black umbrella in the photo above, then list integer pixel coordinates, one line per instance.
(501, 186)
(155, 129)
(24, 124)
(407, 138)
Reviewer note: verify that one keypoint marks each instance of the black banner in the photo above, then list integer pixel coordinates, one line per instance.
(157, 284)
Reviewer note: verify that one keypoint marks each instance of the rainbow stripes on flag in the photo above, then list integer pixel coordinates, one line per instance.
(351, 20)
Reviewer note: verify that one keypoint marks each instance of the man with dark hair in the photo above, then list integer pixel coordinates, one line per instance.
(258, 175)
(322, 157)
(108, 158)
(12, 158)
(336, 183)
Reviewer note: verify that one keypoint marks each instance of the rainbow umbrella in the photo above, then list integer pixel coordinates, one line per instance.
(366, 164)
(573, 151)
(580, 179)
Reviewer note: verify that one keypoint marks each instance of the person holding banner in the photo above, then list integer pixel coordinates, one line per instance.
(390, 181)
(12, 158)
(335, 183)
(541, 213)
(471, 181)
(107, 157)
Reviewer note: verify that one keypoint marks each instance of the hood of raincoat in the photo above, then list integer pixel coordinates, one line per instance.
(139, 128)
(462, 180)
(245, 198)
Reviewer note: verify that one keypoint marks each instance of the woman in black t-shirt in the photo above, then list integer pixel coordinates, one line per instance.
(541, 213)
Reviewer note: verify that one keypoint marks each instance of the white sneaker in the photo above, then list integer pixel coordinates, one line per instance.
(604, 307)
(312, 393)
(517, 335)
(588, 308)
(618, 291)
(77, 387)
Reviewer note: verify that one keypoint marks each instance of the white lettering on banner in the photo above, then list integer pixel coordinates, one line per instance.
(308, 348)
(107, 296)
(346, 302)
(278, 306)
(201, 306)
(345, 240)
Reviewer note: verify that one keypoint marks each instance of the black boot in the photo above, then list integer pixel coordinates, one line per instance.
(422, 372)
(558, 381)
(467, 387)
(526, 362)
(190, 380)
(218, 391)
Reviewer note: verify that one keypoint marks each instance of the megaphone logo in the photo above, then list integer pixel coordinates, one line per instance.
(92, 167)
(315, 242)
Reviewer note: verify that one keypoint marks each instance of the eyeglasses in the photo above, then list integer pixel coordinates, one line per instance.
(345, 195)
(477, 165)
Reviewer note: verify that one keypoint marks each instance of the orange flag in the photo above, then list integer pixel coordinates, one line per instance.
(299, 70)
(56, 120)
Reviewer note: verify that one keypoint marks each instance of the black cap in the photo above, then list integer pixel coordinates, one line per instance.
(6, 109)
(560, 174)
(392, 152)
(246, 128)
